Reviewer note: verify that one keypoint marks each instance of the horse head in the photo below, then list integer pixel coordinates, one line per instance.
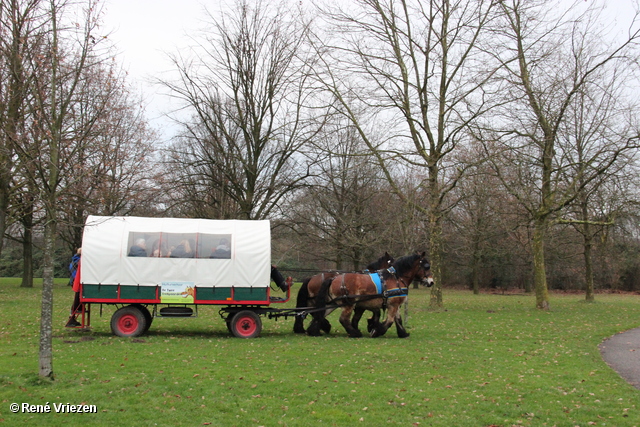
(384, 262)
(414, 267)
(424, 276)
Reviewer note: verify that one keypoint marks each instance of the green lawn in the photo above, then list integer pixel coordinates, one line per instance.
(487, 360)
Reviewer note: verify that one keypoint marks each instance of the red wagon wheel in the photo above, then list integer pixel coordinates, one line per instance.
(147, 315)
(128, 321)
(246, 324)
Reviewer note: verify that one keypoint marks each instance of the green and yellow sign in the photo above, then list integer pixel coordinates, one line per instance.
(177, 292)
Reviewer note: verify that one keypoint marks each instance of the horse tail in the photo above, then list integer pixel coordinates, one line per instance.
(303, 294)
(323, 294)
(301, 301)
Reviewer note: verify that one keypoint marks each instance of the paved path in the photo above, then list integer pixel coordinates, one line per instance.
(622, 353)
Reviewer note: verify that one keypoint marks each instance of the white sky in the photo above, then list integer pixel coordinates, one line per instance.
(144, 31)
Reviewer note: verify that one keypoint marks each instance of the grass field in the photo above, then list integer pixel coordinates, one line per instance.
(486, 360)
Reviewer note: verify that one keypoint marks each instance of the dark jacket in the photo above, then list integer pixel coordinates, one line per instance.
(181, 252)
(137, 251)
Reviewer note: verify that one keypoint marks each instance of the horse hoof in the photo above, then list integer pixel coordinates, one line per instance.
(378, 331)
(326, 326)
(404, 336)
(374, 333)
(298, 326)
(371, 325)
(313, 330)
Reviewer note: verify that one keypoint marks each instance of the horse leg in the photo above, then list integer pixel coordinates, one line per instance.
(324, 323)
(402, 332)
(314, 328)
(345, 321)
(357, 315)
(381, 328)
(394, 309)
(298, 325)
(303, 300)
(316, 323)
(374, 321)
(371, 322)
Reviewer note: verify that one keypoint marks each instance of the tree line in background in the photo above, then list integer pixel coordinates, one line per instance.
(497, 136)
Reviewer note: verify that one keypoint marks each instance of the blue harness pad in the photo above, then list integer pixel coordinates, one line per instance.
(375, 278)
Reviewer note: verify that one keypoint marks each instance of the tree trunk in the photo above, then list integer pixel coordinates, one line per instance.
(27, 243)
(436, 300)
(435, 238)
(4, 206)
(588, 266)
(27, 257)
(475, 267)
(46, 318)
(589, 295)
(539, 268)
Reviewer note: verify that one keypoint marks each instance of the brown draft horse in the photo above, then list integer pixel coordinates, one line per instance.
(311, 286)
(352, 291)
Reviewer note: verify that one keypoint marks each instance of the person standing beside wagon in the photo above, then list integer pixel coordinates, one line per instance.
(73, 266)
(76, 306)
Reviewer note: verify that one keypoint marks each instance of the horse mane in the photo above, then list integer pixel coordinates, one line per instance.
(405, 263)
(373, 266)
(386, 274)
(378, 264)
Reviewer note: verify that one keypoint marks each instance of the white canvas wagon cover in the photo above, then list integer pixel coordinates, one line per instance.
(151, 251)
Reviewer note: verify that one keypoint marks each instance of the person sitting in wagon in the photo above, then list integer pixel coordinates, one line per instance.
(139, 249)
(223, 250)
(159, 249)
(184, 250)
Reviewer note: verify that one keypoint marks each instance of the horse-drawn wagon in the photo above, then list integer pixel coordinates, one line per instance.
(168, 267)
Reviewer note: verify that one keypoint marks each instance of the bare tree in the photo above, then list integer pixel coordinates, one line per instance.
(63, 51)
(418, 69)
(19, 21)
(548, 62)
(252, 109)
(341, 213)
(602, 128)
(113, 166)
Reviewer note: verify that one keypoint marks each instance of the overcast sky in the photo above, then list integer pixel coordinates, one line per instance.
(144, 31)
